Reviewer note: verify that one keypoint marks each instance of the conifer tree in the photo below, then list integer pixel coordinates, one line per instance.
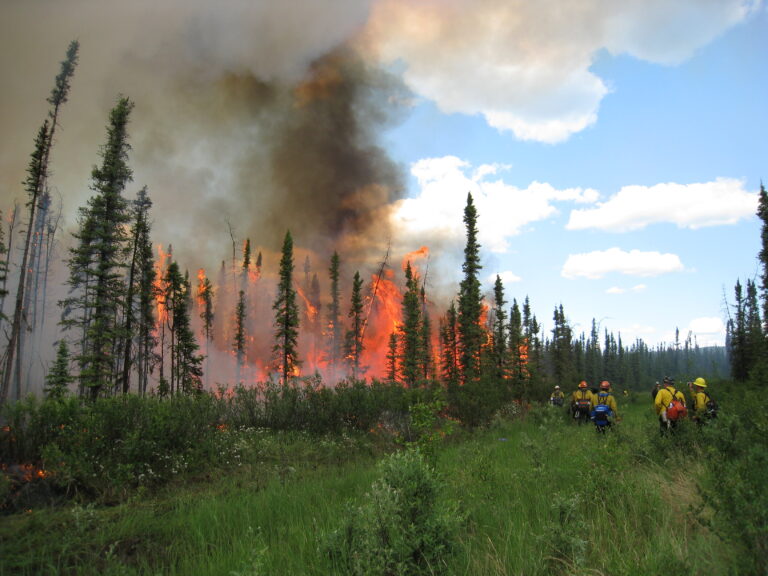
(239, 343)
(35, 186)
(470, 300)
(518, 346)
(353, 343)
(138, 285)
(562, 348)
(97, 264)
(205, 297)
(593, 355)
(499, 351)
(762, 213)
(450, 347)
(58, 379)
(335, 332)
(286, 315)
(425, 344)
(186, 371)
(410, 330)
(392, 357)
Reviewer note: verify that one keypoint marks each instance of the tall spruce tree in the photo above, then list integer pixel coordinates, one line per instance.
(335, 331)
(286, 315)
(410, 330)
(470, 300)
(392, 357)
(762, 213)
(36, 186)
(137, 285)
(239, 342)
(353, 342)
(449, 344)
(518, 347)
(97, 264)
(205, 297)
(562, 348)
(499, 351)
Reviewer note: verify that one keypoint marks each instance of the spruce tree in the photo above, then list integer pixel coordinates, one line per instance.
(353, 343)
(137, 284)
(335, 330)
(499, 352)
(518, 353)
(470, 300)
(392, 357)
(286, 315)
(35, 186)
(762, 213)
(58, 379)
(205, 297)
(449, 343)
(410, 330)
(425, 344)
(101, 278)
(562, 348)
(239, 342)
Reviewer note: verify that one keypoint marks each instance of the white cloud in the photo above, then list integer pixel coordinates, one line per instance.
(707, 326)
(618, 290)
(697, 205)
(526, 66)
(507, 277)
(597, 264)
(503, 210)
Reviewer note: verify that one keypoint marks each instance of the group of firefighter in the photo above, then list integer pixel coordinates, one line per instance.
(599, 405)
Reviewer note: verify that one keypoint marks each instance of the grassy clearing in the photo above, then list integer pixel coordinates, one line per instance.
(541, 496)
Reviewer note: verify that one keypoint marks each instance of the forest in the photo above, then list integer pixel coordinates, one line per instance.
(132, 321)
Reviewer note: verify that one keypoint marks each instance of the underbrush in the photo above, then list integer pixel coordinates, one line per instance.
(530, 492)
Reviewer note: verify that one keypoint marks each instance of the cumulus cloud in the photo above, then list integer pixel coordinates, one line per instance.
(696, 205)
(503, 210)
(507, 277)
(526, 66)
(594, 265)
(618, 290)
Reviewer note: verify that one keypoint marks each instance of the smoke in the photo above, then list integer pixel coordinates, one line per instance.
(257, 118)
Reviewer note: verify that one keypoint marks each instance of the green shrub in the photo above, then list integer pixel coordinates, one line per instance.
(736, 451)
(402, 527)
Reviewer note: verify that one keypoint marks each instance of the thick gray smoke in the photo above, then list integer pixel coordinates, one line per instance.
(256, 119)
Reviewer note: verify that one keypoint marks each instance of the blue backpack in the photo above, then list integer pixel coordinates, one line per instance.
(602, 413)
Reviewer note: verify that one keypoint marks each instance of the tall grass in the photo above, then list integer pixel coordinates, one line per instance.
(541, 495)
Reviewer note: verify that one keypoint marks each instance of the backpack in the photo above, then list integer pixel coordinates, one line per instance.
(676, 410)
(711, 407)
(602, 412)
(583, 405)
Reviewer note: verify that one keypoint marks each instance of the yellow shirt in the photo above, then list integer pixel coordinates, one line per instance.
(664, 397)
(609, 401)
(582, 394)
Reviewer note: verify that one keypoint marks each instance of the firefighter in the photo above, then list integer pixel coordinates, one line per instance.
(669, 412)
(557, 397)
(581, 402)
(604, 409)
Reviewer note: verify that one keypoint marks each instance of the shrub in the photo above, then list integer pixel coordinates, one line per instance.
(402, 527)
(737, 456)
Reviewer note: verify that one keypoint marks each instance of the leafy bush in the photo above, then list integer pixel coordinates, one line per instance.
(736, 452)
(402, 528)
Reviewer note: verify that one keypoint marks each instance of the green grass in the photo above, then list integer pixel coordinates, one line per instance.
(541, 496)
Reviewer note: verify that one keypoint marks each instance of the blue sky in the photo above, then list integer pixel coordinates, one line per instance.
(614, 149)
(671, 128)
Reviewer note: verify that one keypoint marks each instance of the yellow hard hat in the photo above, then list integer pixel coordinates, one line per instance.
(700, 382)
